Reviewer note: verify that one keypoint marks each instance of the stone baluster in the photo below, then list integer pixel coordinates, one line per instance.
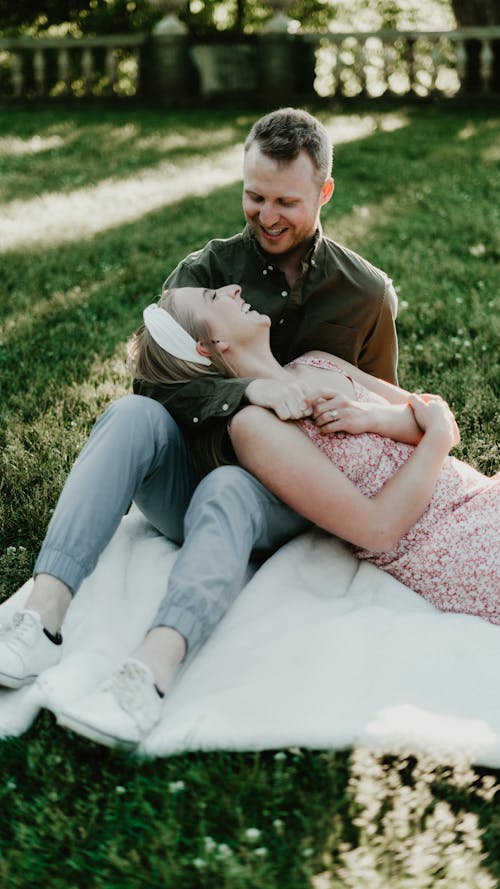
(17, 74)
(63, 70)
(87, 70)
(111, 66)
(410, 56)
(339, 67)
(461, 57)
(435, 56)
(39, 69)
(388, 66)
(136, 55)
(361, 65)
(485, 64)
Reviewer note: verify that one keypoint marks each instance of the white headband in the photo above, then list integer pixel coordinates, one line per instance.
(169, 334)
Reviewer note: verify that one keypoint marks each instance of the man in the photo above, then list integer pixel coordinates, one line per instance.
(319, 295)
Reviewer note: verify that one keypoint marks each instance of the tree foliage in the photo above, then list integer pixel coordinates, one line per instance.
(75, 17)
(78, 17)
(476, 12)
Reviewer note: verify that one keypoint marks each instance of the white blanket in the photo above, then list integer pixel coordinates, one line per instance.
(319, 650)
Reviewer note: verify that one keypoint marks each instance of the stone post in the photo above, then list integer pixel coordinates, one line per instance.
(167, 71)
(276, 56)
(286, 62)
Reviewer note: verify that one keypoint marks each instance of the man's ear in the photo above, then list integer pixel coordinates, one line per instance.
(203, 349)
(327, 190)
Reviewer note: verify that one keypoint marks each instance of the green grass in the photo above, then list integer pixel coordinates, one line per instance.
(416, 193)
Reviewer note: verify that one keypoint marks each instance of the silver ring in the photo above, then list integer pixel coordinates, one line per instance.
(334, 414)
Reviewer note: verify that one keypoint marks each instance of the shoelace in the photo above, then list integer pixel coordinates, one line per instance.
(131, 686)
(16, 635)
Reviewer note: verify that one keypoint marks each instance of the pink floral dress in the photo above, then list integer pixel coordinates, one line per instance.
(451, 556)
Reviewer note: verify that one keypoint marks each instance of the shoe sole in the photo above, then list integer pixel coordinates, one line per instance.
(94, 734)
(15, 681)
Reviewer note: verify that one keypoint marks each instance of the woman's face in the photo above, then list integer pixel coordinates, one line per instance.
(224, 311)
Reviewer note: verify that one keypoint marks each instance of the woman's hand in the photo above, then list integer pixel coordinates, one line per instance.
(433, 413)
(339, 413)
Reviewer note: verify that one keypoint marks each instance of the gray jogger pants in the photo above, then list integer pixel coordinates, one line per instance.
(136, 453)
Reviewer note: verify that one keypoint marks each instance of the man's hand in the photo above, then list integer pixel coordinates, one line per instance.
(290, 401)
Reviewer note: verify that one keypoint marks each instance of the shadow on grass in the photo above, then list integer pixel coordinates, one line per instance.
(403, 199)
(78, 148)
(75, 811)
(414, 201)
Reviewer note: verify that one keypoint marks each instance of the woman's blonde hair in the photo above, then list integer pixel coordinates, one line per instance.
(150, 363)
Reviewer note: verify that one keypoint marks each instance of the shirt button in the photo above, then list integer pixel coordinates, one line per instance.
(195, 419)
(264, 271)
(313, 262)
(225, 407)
(284, 292)
(281, 320)
(270, 267)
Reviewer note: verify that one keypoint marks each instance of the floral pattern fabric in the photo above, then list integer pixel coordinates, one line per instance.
(451, 555)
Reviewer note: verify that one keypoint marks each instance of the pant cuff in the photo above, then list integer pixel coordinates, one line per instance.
(184, 622)
(62, 566)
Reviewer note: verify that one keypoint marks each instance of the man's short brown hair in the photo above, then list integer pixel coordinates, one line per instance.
(284, 133)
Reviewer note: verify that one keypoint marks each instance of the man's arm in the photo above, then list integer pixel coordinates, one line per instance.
(211, 398)
(194, 403)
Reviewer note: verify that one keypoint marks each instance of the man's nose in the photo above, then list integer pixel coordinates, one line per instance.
(268, 215)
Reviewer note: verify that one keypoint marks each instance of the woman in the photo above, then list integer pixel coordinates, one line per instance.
(383, 482)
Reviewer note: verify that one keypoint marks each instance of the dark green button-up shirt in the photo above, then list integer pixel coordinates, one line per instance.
(340, 303)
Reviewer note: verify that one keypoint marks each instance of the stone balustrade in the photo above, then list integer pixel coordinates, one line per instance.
(67, 67)
(421, 63)
(170, 66)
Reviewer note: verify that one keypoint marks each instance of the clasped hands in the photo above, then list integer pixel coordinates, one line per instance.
(330, 411)
(335, 412)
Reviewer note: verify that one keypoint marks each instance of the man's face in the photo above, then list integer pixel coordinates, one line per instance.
(281, 202)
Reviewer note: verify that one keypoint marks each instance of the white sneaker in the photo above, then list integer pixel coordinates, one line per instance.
(121, 712)
(25, 649)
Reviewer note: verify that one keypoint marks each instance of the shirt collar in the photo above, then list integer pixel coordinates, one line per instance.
(312, 253)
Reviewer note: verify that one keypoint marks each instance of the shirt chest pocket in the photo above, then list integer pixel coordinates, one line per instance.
(344, 342)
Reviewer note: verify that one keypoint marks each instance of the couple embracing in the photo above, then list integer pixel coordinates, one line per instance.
(265, 398)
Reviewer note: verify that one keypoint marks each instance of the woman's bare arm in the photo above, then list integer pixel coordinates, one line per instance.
(292, 400)
(288, 463)
(389, 414)
(396, 421)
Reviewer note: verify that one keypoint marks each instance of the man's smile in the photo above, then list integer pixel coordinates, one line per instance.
(273, 232)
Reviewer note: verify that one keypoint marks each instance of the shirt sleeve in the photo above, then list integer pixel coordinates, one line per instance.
(195, 403)
(191, 272)
(379, 356)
